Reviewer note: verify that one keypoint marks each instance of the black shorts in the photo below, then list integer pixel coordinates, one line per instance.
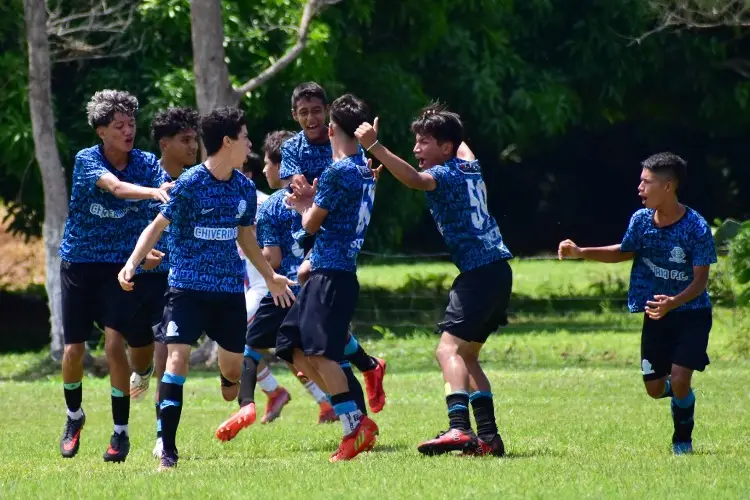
(190, 313)
(679, 338)
(478, 302)
(318, 321)
(150, 290)
(264, 328)
(92, 295)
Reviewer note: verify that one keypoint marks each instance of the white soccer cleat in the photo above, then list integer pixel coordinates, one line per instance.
(158, 448)
(139, 385)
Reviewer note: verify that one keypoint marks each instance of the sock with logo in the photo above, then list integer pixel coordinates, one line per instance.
(170, 402)
(683, 411)
(458, 410)
(347, 411)
(484, 414)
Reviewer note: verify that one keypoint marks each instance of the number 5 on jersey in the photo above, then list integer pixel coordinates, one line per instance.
(365, 207)
(478, 200)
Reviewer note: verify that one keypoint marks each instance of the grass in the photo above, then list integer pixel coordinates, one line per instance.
(569, 400)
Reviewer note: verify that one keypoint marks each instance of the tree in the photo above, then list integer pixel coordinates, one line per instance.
(48, 157)
(212, 84)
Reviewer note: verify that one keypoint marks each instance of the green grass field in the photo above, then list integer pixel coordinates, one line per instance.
(569, 402)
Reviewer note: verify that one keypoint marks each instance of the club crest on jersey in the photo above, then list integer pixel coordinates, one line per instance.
(241, 208)
(677, 255)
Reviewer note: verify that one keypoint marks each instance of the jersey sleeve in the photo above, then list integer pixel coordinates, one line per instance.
(328, 189)
(440, 174)
(631, 242)
(289, 160)
(176, 201)
(703, 248)
(250, 197)
(88, 169)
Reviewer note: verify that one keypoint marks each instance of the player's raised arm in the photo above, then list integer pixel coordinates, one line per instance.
(145, 244)
(127, 191)
(609, 254)
(409, 176)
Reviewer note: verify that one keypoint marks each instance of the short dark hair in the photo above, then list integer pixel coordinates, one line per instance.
(220, 123)
(253, 164)
(436, 121)
(103, 105)
(349, 112)
(170, 122)
(273, 142)
(308, 90)
(667, 164)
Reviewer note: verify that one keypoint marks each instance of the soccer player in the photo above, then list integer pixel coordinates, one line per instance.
(478, 300)
(304, 157)
(314, 333)
(103, 224)
(212, 205)
(175, 130)
(275, 226)
(673, 250)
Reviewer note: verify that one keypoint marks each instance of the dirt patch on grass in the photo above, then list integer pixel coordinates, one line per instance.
(21, 262)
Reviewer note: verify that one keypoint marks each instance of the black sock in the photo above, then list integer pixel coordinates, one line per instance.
(158, 421)
(355, 388)
(120, 407)
(170, 403)
(683, 411)
(458, 411)
(247, 382)
(484, 414)
(73, 395)
(353, 352)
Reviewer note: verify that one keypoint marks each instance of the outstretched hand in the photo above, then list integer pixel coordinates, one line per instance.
(279, 285)
(375, 171)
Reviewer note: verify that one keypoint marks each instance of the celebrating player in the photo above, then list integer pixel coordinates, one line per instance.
(457, 197)
(673, 249)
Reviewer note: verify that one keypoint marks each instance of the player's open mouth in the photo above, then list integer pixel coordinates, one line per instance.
(421, 162)
(643, 198)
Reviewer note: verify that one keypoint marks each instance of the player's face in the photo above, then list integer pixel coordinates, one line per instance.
(429, 152)
(120, 133)
(271, 171)
(653, 189)
(183, 147)
(311, 116)
(240, 148)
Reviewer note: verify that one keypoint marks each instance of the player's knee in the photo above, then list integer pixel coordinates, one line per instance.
(114, 345)
(445, 350)
(655, 388)
(73, 353)
(681, 383)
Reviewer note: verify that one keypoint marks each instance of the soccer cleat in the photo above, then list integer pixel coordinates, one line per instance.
(242, 418)
(168, 461)
(158, 448)
(327, 414)
(276, 402)
(71, 438)
(682, 448)
(361, 439)
(139, 385)
(494, 447)
(450, 440)
(374, 386)
(119, 447)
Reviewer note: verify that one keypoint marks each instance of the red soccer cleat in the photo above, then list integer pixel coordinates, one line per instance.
(242, 418)
(447, 441)
(360, 440)
(327, 415)
(276, 402)
(374, 386)
(494, 447)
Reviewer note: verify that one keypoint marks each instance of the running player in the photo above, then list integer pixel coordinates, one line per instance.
(457, 198)
(103, 224)
(314, 334)
(212, 205)
(175, 130)
(673, 249)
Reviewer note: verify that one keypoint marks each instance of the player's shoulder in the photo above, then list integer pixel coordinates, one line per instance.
(642, 216)
(91, 153)
(144, 157)
(243, 182)
(294, 143)
(695, 221)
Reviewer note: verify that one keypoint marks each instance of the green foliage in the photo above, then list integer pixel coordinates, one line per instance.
(739, 257)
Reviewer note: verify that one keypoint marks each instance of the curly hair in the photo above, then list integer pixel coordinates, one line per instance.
(172, 121)
(104, 104)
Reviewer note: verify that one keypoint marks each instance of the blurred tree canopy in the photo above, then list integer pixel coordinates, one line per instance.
(559, 103)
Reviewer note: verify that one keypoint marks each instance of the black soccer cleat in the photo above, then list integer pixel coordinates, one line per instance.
(71, 438)
(119, 447)
(494, 447)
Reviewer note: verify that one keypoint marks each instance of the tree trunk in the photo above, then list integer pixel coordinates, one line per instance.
(212, 86)
(48, 157)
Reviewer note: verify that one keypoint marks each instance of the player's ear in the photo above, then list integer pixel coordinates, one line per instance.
(330, 129)
(294, 114)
